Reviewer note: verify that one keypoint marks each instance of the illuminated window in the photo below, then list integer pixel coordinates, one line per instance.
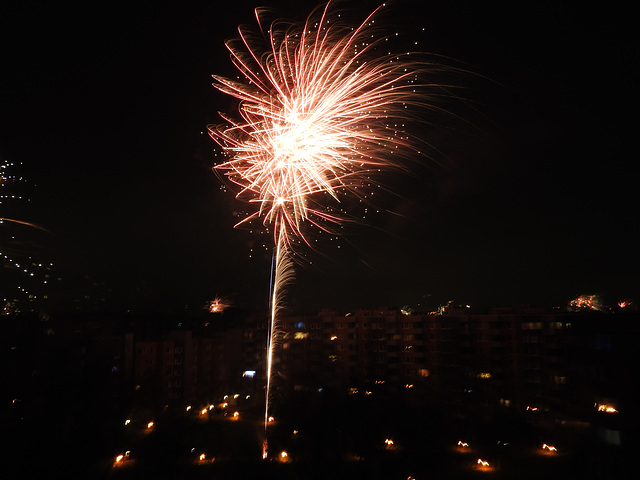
(531, 325)
(300, 335)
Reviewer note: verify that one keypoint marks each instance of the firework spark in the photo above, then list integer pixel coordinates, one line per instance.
(321, 110)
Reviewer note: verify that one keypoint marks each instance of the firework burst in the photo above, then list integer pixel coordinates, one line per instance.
(321, 113)
(322, 108)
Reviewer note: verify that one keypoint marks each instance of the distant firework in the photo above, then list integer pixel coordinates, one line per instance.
(586, 302)
(23, 277)
(626, 303)
(322, 111)
(217, 305)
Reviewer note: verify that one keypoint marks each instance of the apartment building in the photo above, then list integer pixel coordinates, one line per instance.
(562, 369)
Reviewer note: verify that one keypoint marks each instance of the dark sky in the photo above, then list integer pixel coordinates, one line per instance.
(106, 105)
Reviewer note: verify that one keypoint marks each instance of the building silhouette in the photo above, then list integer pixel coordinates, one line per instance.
(557, 370)
(563, 371)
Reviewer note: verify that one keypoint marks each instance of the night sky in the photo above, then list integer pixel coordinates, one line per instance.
(106, 106)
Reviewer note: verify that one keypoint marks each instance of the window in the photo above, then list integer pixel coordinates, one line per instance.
(531, 325)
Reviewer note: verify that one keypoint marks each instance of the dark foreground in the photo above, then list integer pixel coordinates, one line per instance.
(353, 437)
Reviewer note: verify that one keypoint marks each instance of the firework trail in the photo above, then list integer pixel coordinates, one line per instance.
(321, 111)
(282, 275)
